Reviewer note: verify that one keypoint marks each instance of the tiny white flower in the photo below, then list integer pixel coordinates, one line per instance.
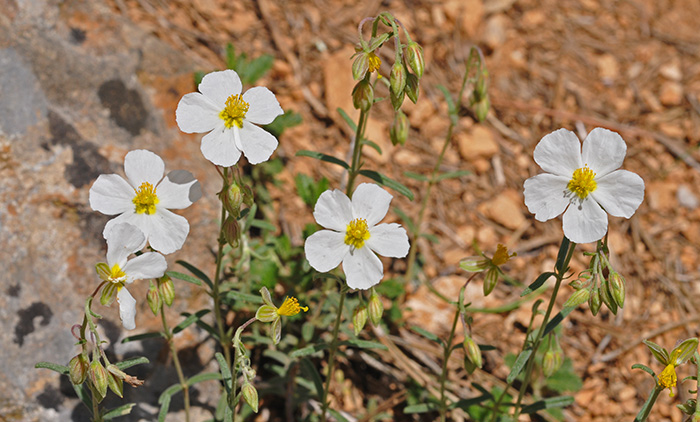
(144, 199)
(583, 184)
(123, 240)
(230, 118)
(354, 235)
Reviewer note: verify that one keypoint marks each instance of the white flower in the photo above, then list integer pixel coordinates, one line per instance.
(578, 183)
(354, 236)
(144, 199)
(123, 240)
(230, 118)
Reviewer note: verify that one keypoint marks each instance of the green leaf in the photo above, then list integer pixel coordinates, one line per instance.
(391, 288)
(262, 224)
(308, 350)
(190, 318)
(246, 297)
(565, 379)
(308, 189)
(347, 119)
(282, 122)
(452, 175)
(518, 365)
(165, 395)
(407, 220)
(309, 369)
(563, 253)
(323, 157)
(416, 176)
(83, 393)
(537, 283)
(184, 277)
(464, 404)
(140, 360)
(143, 336)
(419, 408)
(363, 344)
(548, 403)
(209, 376)
(451, 108)
(644, 368)
(119, 411)
(388, 182)
(373, 145)
(225, 371)
(558, 318)
(63, 370)
(337, 415)
(256, 69)
(197, 272)
(427, 334)
(164, 406)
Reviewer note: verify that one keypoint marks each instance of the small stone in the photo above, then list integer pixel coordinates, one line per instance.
(477, 143)
(661, 196)
(608, 68)
(686, 197)
(671, 93)
(495, 32)
(504, 209)
(472, 16)
(671, 71)
(338, 82)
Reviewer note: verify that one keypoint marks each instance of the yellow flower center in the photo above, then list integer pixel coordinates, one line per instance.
(116, 275)
(234, 112)
(356, 233)
(374, 62)
(145, 199)
(582, 182)
(668, 378)
(291, 307)
(501, 256)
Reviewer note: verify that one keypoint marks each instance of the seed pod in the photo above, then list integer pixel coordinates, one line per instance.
(360, 66)
(594, 301)
(414, 58)
(412, 87)
(98, 378)
(376, 308)
(363, 95)
(397, 79)
(250, 395)
(607, 298)
(577, 298)
(617, 288)
(472, 351)
(153, 299)
(481, 109)
(78, 366)
(231, 198)
(359, 319)
(166, 289)
(399, 128)
(231, 231)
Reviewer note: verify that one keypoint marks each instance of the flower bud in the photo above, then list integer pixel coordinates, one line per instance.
(359, 319)
(594, 301)
(115, 384)
(231, 231)
(414, 58)
(153, 299)
(481, 109)
(490, 280)
(396, 101)
(376, 308)
(78, 369)
(250, 395)
(248, 197)
(579, 297)
(399, 129)
(607, 299)
(397, 79)
(472, 351)
(98, 378)
(231, 198)
(474, 264)
(166, 289)
(551, 362)
(411, 88)
(360, 66)
(617, 288)
(363, 96)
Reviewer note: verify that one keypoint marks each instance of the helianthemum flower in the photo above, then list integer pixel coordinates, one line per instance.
(583, 184)
(230, 118)
(354, 235)
(144, 199)
(123, 240)
(268, 312)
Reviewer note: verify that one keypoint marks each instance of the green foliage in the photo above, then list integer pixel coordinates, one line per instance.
(308, 189)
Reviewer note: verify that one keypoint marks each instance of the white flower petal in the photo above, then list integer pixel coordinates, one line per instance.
(256, 143)
(388, 240)
(123, 239)
(111, 194)
(141, 166)
(545, 195)
(362, 268)
(219, 147)
(325, 249)
(148, 265)
(179, 189)
(333, 210)
(603, 151)
(127, 308)
(559, 153)
(263, 106)
(196, 113)
(585, 222)
(620, 193)
(218, 86)
(370, 202)
(166, 231)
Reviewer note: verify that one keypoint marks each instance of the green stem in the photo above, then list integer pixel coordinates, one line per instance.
(646, 408)
(357, 150)
(445, 360)
(176, 361)
(96, 413)
(223, 338)
(331, 354)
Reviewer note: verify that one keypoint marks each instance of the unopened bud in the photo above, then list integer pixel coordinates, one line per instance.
(412, 87)
(250, 395)
(231, 231)
(397, 79)
(551, 362)
(98, 378)
(414, 58)
(607, 298)
(115, 384)
(481, 109)
(231, 198)
(78, 369)
(359, 319)
(490, 280)
(399, 128)
(376, 308)
(474, 264)
(472, 351)
(153, 299)
(688, 407)
(396, 101)
(166, 289)
(594, 301)
(618, 288)
(360, 66)
(363, 95)
(248, 197)
(579, 297)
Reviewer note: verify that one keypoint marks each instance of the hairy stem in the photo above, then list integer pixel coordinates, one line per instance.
(357, 151)
(331, 354)
(176, 361)
(646, 408)
(445, 360)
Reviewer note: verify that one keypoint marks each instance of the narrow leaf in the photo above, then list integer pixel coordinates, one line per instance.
(143, 336)
(323, 157)
(246, 297)
(310, 370)
(165, 395)
(119, 411)
(518, 365)
(190, 318)
(64, 370)
(548, 403)
(337, 416)
(644, 368)
(558, 318)
(184, 277)
(426, 334)
(164, 406)
(131, 362)
(561, 256)
(453, 175)
(308, 350)
(373, 145)
(416, 176)
(419, 408)
(388, 182)
(209, 376)
(537, 283)
(197, 272)
(451, 108)
(347, 119)
(225, 371)
(363, 344)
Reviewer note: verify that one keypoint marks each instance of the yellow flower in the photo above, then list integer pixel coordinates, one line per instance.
(290, 307)
(268, 312)
(668, 377)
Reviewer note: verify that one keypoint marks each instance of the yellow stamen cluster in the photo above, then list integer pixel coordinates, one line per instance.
(668, 378)
(501, 256)
(116, 275)
(290, 307)
(145, 199)
(374, 62)
(582, 182)
(357, 233)
(234, 112)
